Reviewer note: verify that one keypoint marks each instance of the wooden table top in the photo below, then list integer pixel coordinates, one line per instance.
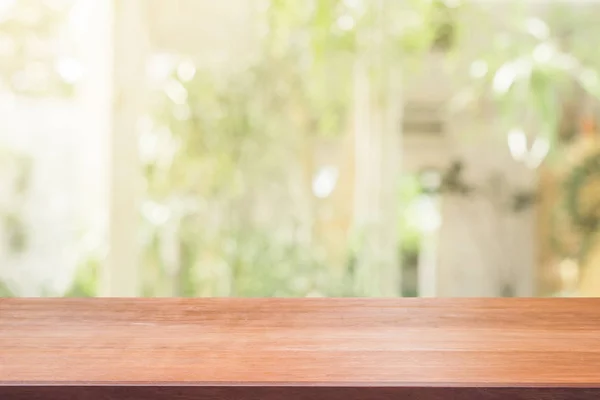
(341, 343)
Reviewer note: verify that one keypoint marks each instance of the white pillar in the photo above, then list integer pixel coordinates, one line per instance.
(93, 29)
(130, 40)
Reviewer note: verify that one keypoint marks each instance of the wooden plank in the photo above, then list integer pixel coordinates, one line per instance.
(299, 348)
(291, 393)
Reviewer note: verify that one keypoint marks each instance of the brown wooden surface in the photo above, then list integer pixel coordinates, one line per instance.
(482, 345)
(291, 393)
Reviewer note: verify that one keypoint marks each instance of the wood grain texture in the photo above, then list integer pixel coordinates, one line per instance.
(299, 349)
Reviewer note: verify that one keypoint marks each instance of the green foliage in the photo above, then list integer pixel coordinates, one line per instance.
(537, 58)
(15, 171)
(582, 194)
(220, 147)
(5, 291)
(225, 149)
(86, 279)
(410, 189)
(220, 216)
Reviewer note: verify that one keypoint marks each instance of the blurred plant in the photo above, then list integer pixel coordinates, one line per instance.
(538, 59)
(409, 246)
(33, 55)
(576, 232)
(5, 291)
(495, 189)
(213, 165)
(228, 158)
(34, 61)
(15, 171)
(87, 277)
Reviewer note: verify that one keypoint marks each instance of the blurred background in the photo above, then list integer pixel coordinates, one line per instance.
(299, 148)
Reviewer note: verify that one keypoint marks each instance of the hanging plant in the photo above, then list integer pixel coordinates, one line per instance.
(582, 191)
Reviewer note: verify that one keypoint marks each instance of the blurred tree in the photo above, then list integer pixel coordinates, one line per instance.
(34, 61)
(15, 171)
(530, 73)
(229, 160)
(34, 58)
(543, 77)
